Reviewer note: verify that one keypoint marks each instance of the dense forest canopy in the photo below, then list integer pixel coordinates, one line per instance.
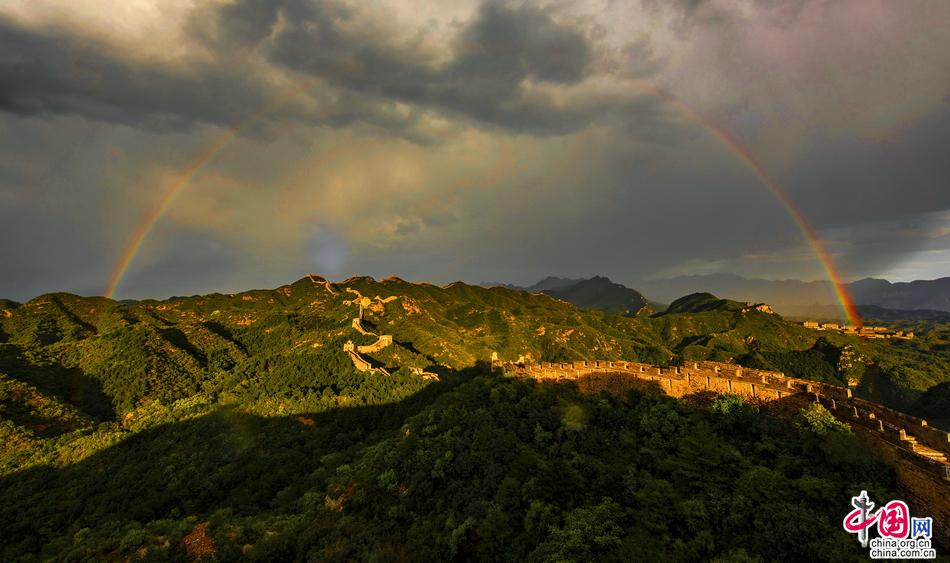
(234, 426)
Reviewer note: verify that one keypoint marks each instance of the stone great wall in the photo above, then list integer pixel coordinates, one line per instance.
(382, 340)
(916, 451)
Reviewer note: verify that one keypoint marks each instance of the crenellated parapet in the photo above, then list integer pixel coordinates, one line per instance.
(358, 325)
(382, 340)
(762, 385)
(917, 451)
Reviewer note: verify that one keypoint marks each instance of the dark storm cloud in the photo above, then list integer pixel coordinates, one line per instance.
(55, 71)
(243, 23)
(51, 72)
(507, 45)
(645, 191)
(492, 55)
(496, 63)
(778, 13)
(314, 42)
(492, 58)
(901, 176)
(882, 197)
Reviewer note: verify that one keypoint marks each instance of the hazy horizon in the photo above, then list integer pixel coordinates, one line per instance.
(631, 283)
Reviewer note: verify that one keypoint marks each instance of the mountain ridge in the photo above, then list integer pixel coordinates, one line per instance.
(600, 294)
(238, 421)
(803, 298)
(811, 299)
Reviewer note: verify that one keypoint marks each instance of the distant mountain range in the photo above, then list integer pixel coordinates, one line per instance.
(873, 312)
(703, 302)
(919, 294)
(597, 293)
(552, 283)
(876, 298)
(800, 298)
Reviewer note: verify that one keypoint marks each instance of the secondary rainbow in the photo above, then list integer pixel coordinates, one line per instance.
(140, 235)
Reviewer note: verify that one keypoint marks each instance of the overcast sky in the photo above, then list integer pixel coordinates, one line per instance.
(436, 141)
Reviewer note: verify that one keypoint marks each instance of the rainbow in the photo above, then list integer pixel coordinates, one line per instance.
(197, 164)
(744, 155)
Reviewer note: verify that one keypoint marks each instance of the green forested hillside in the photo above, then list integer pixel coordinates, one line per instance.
(699, 302)
(236, 423)
(479, 466)
(601, 294)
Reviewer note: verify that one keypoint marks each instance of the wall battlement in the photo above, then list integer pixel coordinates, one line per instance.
(917, 451)
(864, 331)
(382, 340)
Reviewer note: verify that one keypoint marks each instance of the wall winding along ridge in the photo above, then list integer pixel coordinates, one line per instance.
(382, 340)
(916, 451)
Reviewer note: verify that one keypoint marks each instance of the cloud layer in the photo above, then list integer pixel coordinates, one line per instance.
(491, 140)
